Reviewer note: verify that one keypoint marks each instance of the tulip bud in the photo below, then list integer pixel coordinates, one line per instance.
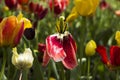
(24, 60)
(90, 48)
(29, 33)
(117, 37)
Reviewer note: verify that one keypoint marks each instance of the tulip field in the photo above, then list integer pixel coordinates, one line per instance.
(59, 39)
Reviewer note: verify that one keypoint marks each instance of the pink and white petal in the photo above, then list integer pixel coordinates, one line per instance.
(70, 61)
(73, 42)
(46, 59)
(55, 48)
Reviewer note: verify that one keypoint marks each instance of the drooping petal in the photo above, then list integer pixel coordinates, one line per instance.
(115, 55)
(70, 60)
(55, 48)
(102, 51)
(73, 42)
(73, 15)
(46, 57)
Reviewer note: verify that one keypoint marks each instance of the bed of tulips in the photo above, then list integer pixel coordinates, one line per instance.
(59, 40)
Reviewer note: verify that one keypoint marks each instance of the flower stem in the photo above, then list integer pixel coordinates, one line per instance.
(117, 75)
(20, 78)
(88, 69)
(3, 66)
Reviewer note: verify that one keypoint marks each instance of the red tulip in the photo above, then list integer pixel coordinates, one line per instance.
(11, 3)
(114, 60)
(38, 10)
(59, 5)
(61, 47)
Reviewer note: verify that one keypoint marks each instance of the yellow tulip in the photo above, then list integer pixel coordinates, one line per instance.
(83, 8)
(11, 30)
(23, 60)
(117, 37)
(86, 7)
(90, 48)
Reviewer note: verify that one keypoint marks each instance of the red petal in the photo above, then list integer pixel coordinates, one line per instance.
(73, 42)
(102, 51)
(41, 47)
(19, 35)
(46, 59)
(115, 55)
(70, 61)
(55, 48)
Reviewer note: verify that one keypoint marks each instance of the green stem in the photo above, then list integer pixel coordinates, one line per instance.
(20, 78)
(3, 66)
(117, 75)
(88, 70)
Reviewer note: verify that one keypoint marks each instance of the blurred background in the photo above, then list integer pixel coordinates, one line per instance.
(100, 27)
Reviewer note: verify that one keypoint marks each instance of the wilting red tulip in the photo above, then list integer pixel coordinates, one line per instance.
(60, 47)
(104, 5)
(22, 2)
(11, 3)
(59, 5)
(114, 61)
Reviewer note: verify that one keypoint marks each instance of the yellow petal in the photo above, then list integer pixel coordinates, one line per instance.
(27, 23)
(15, 56)
(117, 37)
(73, 15)
(90, 48)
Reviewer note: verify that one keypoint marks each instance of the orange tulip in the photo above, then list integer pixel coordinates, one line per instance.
(11, 30)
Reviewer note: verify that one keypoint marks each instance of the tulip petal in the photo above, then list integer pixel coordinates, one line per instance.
(115, 55)
(70, 60)
(18, 32)
(8, 25)
(102, 51)
(55, 48)
(46, 57)
(73, 42)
